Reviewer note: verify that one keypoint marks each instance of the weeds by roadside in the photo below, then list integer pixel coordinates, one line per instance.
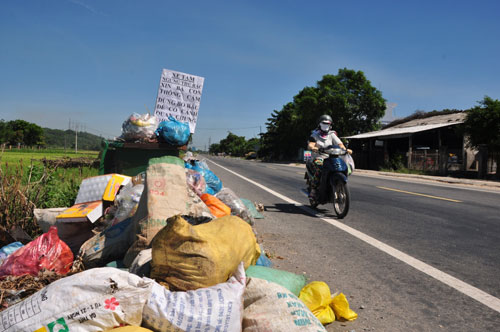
(17, 200)
(397, 165)
(24, 188)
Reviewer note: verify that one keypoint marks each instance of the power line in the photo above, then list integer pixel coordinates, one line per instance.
(228, 128)
(85, 128)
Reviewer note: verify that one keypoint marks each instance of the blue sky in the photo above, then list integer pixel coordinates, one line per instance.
(97, 61)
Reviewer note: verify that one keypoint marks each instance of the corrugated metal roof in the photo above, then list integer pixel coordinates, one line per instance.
(415, 126)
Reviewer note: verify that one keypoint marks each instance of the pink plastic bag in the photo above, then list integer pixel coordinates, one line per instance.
(196, 181)
(45, 252)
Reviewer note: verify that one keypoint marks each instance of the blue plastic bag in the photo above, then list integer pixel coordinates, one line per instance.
(9, 249)
(173, 132)
(214, 184)
(263, 260)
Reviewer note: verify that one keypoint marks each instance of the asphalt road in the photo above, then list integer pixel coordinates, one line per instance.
(409, 256)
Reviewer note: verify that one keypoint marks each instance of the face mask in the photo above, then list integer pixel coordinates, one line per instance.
(324, 127)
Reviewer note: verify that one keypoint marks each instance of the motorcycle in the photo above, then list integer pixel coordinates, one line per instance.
(332, 183)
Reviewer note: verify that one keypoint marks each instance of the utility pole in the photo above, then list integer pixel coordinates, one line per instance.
(209, 143)
(69, 127)
(76, 137)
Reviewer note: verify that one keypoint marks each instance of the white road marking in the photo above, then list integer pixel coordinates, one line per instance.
(469, 290)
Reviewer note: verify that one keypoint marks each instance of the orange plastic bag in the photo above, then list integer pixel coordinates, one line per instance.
(215, 205)
(45, 252)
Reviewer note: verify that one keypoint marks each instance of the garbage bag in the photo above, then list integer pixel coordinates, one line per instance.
(341, 308)
(47, 217)
(141, 265)
(188, 156)
(201, 164)
(263, 260)
(126, 202)
(211, 309)
(196, 181)
(109, 245)
(131, 329)
(316, 295)
(173, 132)
(139, 127)
(291, 281)
(45, 252)
(5, 251)
(214, 184)
(165, 195)
(196, 208)
(187, 257)
(238, 208)
(349, 161)
(252, 209)
(217, 208)
(93, 300)
(271, 307)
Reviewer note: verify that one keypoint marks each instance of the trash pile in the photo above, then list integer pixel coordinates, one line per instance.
(145, 128)
(170, 249)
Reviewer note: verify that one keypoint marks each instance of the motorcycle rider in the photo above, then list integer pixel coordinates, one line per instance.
(322, 137)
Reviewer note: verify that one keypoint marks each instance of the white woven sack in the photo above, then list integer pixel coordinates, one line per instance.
(271, 307)
(94, 300)
(213, 309)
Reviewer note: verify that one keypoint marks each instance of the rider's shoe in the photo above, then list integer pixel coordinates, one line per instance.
(312, 198)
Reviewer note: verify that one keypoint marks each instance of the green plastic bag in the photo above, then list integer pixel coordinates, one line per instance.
(291, 281)
(251, 208)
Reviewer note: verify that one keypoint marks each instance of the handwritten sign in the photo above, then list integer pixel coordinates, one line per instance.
(179, 95)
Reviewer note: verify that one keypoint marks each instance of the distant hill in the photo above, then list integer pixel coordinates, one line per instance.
(56, 138)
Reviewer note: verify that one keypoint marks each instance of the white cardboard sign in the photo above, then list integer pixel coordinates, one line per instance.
(179, 95)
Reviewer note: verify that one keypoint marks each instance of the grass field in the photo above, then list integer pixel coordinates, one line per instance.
(26, 155)
(12, 159)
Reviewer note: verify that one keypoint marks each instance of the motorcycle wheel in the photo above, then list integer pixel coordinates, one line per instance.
(341, 197)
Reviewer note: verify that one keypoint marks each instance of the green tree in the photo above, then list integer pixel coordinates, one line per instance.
(348, 97)
(214, 148)
(482, 124)
(252, 145)
(5, 132)
(233, 145)
(279, 142)
(25, 132)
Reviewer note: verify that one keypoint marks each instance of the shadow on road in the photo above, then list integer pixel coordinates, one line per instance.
(293, 209)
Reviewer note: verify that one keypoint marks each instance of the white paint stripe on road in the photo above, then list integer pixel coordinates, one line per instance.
(469, 290)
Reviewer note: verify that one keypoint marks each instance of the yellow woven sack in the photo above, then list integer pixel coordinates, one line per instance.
(317, 297)
(187, 257)
(131, 329)
(341, 308)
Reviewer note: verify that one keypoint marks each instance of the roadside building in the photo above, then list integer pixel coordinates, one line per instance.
(434, 144)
